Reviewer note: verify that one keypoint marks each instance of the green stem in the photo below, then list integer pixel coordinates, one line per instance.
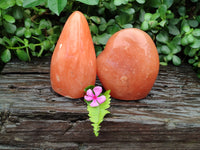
(27, 51)
(41, 51)
(21, 47)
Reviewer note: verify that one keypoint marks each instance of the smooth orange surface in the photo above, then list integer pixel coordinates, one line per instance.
(129, 64)
(73, 64)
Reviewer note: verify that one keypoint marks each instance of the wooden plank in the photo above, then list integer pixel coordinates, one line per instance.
(32, 115)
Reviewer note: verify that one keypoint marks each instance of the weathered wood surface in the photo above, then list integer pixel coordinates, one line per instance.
(32, 116)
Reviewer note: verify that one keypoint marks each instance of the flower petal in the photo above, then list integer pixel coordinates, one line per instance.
(89, 93)
(97, 90)
(94, 103)
(88, 98)
(101, 99)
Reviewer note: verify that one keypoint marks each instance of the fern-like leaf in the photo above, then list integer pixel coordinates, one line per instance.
(97, 114)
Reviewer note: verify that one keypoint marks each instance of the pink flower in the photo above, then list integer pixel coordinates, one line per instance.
(94, 96)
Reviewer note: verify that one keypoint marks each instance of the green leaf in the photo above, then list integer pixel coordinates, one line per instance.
(173, 30)
(153, 23)
(123, 19)
(193, 23)
(176, 60)
(97, 114)
(129, 11)
(162, 37)
(37, 32)
(9, 18)
(177, 40)
(89, 2)
(96, 19)
(140, 1)
(6, 56)
(196, 32)
(174, 21)
(191, 61)
(2, 42)
(57, 6)
(7, 40)
(32, 46)
(98, 50)
(44, 24)
(17, 12)
(5, 4)
(120, 2)
(22, 55)
(32, 3)
(169, 57)
(145, 26)
(174, 47)
(190, 38)
(113, 29)
(10, 28)
(147, 16)
(103, 38)
(186, 28)
(165, 50)
(162, 10)
(110, 6)
(195, 44)
(155, 16)
(124, 26)
(154, 3)
(94, 28)
(141, 16)
(27, 22)
(163, 63)
(19, 2)
(162, 23)
(46, 45)
(168, 3)
(19, 40)
(102, 27)
(181, 11)
(110, 22)
(27, 33)
(184, 41)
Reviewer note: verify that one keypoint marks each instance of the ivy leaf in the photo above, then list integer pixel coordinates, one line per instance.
(57, 5)
(97, 114)
(89, 2)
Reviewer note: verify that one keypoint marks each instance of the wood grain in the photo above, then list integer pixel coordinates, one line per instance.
(33, 116)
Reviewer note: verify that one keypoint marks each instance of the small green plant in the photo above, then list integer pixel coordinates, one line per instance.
(97, 105)
(23, 34)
